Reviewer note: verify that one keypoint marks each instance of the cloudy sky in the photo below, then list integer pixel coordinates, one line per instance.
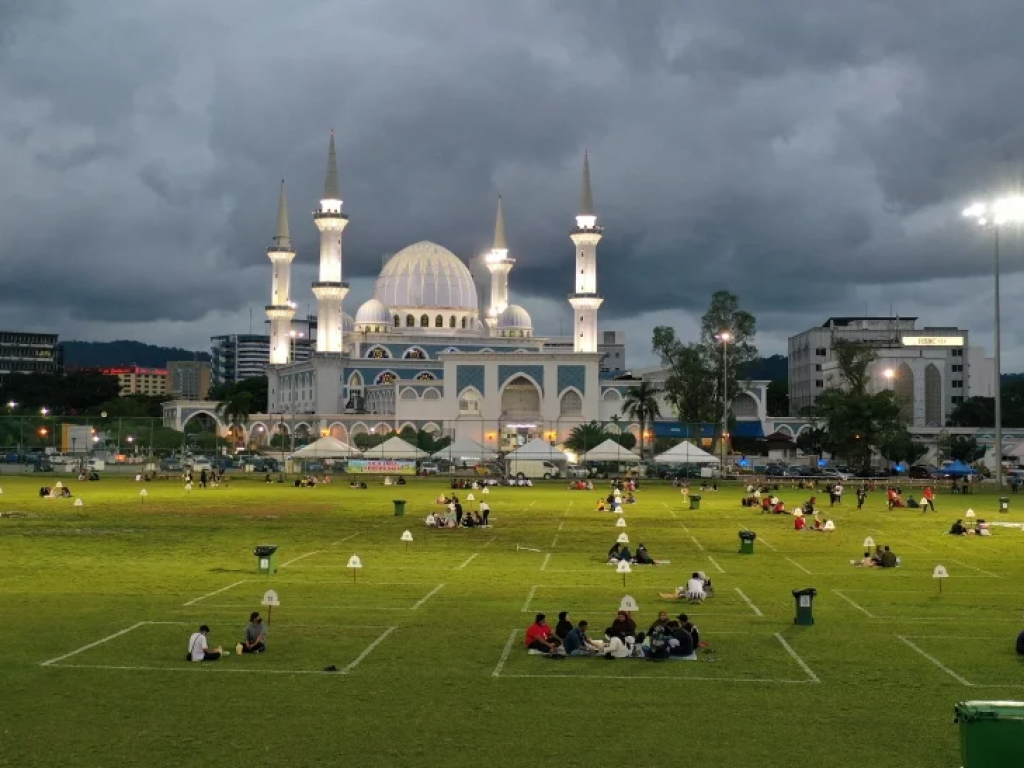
(811, 157)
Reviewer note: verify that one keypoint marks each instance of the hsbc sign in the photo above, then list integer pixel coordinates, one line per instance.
(933, 341)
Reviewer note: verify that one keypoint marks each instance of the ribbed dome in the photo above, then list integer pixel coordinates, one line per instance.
(348, 325)
(373, 312)
(426, 276)
(515, 316)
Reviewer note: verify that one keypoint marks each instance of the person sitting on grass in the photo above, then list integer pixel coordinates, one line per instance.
(539, 637)
(689, 626)
(577, 643)
(630, 498)
(798, 521)
(616, 645)
(614, 553)
(199, 649)
(662, 621)
(601, 505)
(625, 554)
(958, 528)
(624, 626)
(564, 626)
(255, 635)
(695, 589)
(889, 559)
(866, 562)
(681, 642)
(1020, 644)
(643, 557)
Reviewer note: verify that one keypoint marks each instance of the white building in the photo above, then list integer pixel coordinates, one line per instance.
(931, 369)
(418, 354)
(611, 345)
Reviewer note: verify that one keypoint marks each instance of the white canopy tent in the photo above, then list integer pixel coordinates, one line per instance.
(465, 450)
(686, 453)
(395, 448)
(326, 448)
(609, 450)
(537, 450)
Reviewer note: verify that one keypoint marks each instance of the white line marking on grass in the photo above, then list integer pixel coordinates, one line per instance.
(217, 592)
(794, 562)
(300, 557)
(937, 663)
(426, 597)
(92, 645)
(489, 542)
(467, 561)
(547, 559)
(554, 542)
(762, 540)
(531, 503)
(504, 654)
(369, 649)
(561, 525)
(680, 679)
(754, 608)
(979, 570)
(796, 657)
(856, 605)
(715, 563)
(198, 667)
(699, 545)
(529, 599)
(339, 541)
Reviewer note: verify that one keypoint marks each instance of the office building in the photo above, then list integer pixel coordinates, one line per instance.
(22, 352)
(189, 379)
(611, 345)
(245, 355)
(930, 369)
(134, 380)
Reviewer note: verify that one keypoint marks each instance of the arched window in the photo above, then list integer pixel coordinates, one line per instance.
(463, 323)
(409, 394)
(410, 321)
(424, 321)
(378, 353)
(439, 322)
(386, 377)
(398, 322)
(572, 403)
(414, 353)
(451, 321)
(431, 394)
(426, 376)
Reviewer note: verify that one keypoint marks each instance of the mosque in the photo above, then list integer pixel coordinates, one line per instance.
(421, 353)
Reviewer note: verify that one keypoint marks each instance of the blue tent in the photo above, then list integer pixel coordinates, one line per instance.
(958, 469)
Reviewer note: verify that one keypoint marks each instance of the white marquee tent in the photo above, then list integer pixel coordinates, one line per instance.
(395, 448)
(326, 448)
(465, 449)
(686, 453)
(537, 450)
(609, 450)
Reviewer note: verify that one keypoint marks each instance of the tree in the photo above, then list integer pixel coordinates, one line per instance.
(641, 403)
(813, 441)
(235, 412)
(963, 448)
(626, 439)
(778, 398)
(586, 436)
(973, 412)
(689, 387)
(256, 386)
(74, 393)
(725, 316)
(854, 360)
(899, 447)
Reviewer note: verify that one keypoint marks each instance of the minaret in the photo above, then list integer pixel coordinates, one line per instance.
(585, 300)
(281, 310)
(499, 265)
(329, 289)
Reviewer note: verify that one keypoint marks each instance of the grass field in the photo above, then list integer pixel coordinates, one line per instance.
(99, 601)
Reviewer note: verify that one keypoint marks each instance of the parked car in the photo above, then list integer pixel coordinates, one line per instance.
(429, 468)
(832, 473)
(577, 471)
(924, 472)
(781, 470)
(199, 463)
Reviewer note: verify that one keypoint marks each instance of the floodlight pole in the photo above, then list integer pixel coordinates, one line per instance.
(999, 373)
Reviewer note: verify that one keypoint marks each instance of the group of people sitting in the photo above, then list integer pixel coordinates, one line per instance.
(455, 517)
(697, 589)
(462, 484)
(59, 491)
(311, 481)
(980, 528)
(581, 485)
(817, 524)
(254, 640)
(882, 557)
(614, 501)
(666, 638)
(620, 552)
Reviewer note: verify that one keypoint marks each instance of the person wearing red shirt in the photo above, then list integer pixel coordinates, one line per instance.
(928, 499)
(799, 523)
(539, 636)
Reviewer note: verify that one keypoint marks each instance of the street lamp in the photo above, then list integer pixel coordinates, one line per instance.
(725, 337)
(888, 373)
(996, 214)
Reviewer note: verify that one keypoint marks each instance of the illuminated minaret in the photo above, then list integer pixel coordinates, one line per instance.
(329, 289)
(585, 300)
(281, 310)
(499, 265)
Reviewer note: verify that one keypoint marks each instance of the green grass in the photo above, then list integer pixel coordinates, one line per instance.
(427, 694)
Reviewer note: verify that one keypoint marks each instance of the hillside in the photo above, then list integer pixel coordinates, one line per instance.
(105, 354)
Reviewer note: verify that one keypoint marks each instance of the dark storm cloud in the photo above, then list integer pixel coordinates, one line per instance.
(809, 157)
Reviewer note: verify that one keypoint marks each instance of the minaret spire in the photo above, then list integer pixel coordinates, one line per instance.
(499, 228)
(331, 179)
(585, 300)
(499, 265)
(586, 197)
(283, 238)
(330, 291)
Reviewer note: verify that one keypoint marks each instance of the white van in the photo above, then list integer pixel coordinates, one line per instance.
(533, 469)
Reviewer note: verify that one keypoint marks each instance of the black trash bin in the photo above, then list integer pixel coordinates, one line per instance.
(747, 542)
(804, 606)
(266, 557)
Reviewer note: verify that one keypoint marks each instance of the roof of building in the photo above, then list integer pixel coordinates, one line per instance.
(426, 275)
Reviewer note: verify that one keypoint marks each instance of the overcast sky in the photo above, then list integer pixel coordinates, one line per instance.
(812, 157)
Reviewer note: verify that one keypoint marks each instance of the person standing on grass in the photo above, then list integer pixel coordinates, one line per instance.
(837, 494)
(927, 499)
(255, 640)
(862, 496)
(485, 514)
(199, 649)
(539, 636)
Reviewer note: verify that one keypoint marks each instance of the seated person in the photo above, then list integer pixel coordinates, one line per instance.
(601, 507)
(958, 528)
(818, 524)
(809, 505)
(431, 521)
(625, 554)
(798, 521)
(590, 485)
(866, 562)
(779, 508)
(889, 559)
(709, 591)
(539, 637)
(695, 589)
(255, 635)
(1020, 644)
(662, 621)
(690, 627)
(477, 521)
(198, 648)
(564, 626)
(681, 642)
(912, 503)
(401, 480)
(981, 528)
(643, 557)
(766, 504)
(614, 553)
(624, 626)
(577, 643)
(630, 498)
(616, 646)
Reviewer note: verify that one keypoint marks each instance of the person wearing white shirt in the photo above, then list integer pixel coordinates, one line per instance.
(199, 649)
(695, 589)
(615, 647)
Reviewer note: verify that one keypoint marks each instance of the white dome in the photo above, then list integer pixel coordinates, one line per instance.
(425, 275)
(515, 316)
(373, 312)
(348, 325)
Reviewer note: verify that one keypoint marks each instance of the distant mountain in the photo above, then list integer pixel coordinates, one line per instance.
(774, 368)
(107, 354)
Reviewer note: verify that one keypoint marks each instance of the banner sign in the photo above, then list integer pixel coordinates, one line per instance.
(381, 467)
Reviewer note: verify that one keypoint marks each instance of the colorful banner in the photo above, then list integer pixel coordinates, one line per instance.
(381, 467)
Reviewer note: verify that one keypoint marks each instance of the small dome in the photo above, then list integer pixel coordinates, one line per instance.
(373, 312)
(426, 276)
(515, 316)
(348, 325)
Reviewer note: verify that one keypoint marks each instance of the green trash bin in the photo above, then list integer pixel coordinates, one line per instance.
(991, 733)
(1004, 504)
(399, 507)
(804, 606)
(747, 542)
(266, 558)
(695, 502)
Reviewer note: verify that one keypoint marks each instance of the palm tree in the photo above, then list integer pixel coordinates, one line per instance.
(585, 436)
(641, 403)
(235, 412)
